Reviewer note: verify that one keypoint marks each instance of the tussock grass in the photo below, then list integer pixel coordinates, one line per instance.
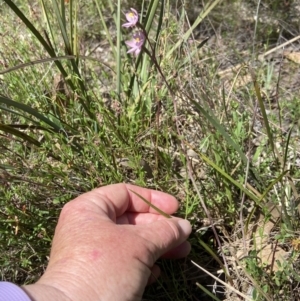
(209, 118)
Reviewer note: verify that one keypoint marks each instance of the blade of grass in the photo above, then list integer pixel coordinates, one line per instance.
(151, 205)
(160, 21)
(228, 177)
(49, 27)
(212, 253)
(112, 9)
(119, 37)
(258, 203)
(204, 13)
(3, 108)
(31, 111)
(146, 61)
(263, 111)
(279, 178)
(187, 60)
(218, 126)
(150, 14)
(287, 147)
(36, 33)
(61, 19)
(50, 59)
(222, 282)
(72, 27)
(57, 129)
(52, 53)
(107, 33)
(29, 127)
(207, 292)
(68, 49)
(214, 121)
(8, 129)
(63, 12)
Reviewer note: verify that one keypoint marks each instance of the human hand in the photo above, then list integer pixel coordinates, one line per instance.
(106, 243)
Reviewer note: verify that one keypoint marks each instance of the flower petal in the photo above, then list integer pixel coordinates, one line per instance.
(131, 43)
(137, 51)
(131, 50)
(135, 12)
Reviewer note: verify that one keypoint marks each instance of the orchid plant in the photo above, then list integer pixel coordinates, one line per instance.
(136, 43)
(132, 17)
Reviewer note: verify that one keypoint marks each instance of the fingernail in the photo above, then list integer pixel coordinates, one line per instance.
(185, 226)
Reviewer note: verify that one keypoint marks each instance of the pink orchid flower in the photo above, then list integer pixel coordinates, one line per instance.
(132, 17)
(136, 43)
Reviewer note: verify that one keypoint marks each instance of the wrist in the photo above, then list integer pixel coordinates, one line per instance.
(42, 292)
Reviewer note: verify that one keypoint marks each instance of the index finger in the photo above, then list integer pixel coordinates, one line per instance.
(124, 200)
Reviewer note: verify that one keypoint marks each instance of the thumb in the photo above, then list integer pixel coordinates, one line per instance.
(165, 234)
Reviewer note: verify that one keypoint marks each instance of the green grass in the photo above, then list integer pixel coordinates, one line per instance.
(84, 114)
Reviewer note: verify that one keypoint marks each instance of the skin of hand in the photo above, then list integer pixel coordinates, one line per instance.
(106, 244)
